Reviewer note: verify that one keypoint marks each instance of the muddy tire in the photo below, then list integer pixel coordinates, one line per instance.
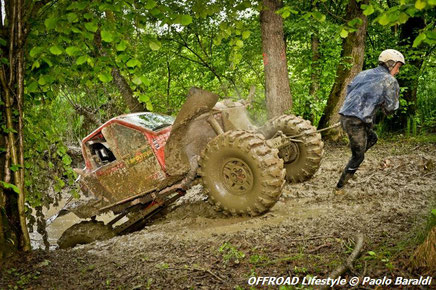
(309, 151)
(83, 233)
(241, 174)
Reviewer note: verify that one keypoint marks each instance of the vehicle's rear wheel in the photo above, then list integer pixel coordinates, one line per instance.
(241, 174)
(83, 233)
(302, 159)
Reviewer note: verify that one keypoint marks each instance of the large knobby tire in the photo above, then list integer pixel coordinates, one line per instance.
(83, 233)
(241, 174)
(308, 152)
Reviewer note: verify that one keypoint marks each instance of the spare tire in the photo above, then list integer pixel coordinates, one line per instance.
(83, 233)
(307, 154)
(241, 174)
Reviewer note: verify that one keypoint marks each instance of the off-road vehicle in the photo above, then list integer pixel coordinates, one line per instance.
(137, 164)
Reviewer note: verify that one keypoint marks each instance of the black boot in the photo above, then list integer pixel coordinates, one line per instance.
(344, 179)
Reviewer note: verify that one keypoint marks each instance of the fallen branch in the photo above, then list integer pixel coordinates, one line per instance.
(349, 263)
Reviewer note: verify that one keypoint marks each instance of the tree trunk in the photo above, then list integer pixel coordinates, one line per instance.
(13, 212)
(278, 93)
(353, 52)
(314, 77)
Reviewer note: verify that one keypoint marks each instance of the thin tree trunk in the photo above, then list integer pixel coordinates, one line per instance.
(314, 77)
(20, 98)
(353, 52)
(278, 92)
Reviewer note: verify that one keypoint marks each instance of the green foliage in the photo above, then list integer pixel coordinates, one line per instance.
(230, 253)
(11, 186)
(399, 14)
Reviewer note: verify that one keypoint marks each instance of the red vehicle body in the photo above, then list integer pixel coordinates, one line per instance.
(124, 157)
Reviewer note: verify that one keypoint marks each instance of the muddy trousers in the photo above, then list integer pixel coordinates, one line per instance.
(362, 137)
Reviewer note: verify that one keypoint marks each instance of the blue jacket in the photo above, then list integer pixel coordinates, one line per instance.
(368, 91)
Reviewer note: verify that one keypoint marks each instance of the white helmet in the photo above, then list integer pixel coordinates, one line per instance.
(391, 54)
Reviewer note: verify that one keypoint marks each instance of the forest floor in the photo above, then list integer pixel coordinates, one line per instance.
(309, 232)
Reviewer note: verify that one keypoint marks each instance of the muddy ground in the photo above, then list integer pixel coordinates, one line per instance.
(308, 232)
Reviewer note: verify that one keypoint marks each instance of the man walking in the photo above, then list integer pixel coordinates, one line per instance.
(368, 91)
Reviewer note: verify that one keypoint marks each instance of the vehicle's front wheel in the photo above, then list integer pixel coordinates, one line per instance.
(241, 174)
(83, 233)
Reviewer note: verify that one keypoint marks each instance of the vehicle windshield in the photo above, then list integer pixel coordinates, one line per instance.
(151, 121)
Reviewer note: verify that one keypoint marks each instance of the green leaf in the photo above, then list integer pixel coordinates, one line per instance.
(286, 13)
(56, 50)
(72, 50)
(186, 20)
(433, 212)
(36, 64)
(239, 43)
(105, 77)
(42, 81)
(66, 159)
(15, 167)
(402, 18)
(136, 80)
(122, 45)
(246, 34)
(356, 22)
(133, 62)
(318, 16)
(10, 185)
(144, 99)
(420, 4)
(431, 35)
(72, 17)
(344, 33)
(155, 45)
(50, 23)
(419, 39)
(368, 10)
(150, 4)
(81, 60)
(383, 20)
(431, 2)
(107, 36)
(91, 26)
(371, 253)
(35, 51)
(32, 87)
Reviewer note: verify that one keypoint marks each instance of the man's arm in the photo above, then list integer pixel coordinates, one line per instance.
(391, 96)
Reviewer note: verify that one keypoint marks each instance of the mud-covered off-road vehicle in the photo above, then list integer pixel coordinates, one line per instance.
(137, 164)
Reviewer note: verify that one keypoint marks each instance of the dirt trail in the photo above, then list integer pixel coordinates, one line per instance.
(308, 232)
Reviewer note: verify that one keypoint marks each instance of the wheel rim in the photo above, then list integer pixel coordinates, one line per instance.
(237, 176)
(290, 153)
